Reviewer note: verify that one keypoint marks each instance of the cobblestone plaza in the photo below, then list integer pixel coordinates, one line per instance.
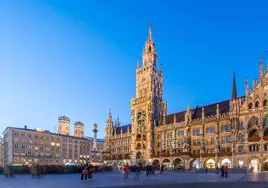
(115, 179)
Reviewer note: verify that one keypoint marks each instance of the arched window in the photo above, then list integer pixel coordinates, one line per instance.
(264, 103)
(254, 148)
(250, 106)
(240, 138)
(265, 121)
(253, 122)
(265, 132)
(239, 125)
(138, 146)
(253, 135)
(257, 104)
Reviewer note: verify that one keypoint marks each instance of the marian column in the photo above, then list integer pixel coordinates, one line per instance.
(95, 130)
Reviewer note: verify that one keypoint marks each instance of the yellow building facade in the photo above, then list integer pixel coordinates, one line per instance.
(232, 132)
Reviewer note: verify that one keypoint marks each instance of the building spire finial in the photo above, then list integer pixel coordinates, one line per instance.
(150, 38)
(260, 68)
(234, 93)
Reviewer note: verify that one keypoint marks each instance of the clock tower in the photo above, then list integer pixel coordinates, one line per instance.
(147, 108)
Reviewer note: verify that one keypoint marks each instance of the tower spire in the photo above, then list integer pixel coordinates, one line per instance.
(246, 87)
(149, 56)
(234, 94)
(150, 38)
(260, 68)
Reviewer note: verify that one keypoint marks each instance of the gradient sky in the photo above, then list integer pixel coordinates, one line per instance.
(78, 58)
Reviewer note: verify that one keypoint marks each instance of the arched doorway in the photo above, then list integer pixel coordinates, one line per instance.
(226, 162)
(166, 163)
(195, 164)
(254, 164)
(156, 164)
(139, 158)
(178, 164)
(138, 155)
(265, 164)
(210, 163)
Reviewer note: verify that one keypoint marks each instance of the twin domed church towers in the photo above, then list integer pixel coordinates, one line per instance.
(147, 108)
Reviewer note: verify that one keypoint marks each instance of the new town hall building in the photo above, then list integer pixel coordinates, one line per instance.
(233, 132)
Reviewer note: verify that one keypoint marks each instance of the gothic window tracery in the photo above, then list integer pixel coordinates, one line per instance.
(253, 122)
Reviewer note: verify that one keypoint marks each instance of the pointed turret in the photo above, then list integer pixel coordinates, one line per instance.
(150, 38)
(149, 53)
(203, 114)
(188, 114)
(217, 110)
(109, 124)
(234, 94)
(261, 68)
(246, 88)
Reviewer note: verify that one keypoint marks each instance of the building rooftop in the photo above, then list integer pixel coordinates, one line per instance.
(124, 129)
(209, 110)
(48, 132)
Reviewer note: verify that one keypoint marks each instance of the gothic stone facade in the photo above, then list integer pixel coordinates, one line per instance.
(233, 132)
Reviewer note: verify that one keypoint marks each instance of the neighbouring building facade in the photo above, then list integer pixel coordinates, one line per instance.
(1, 152)
(24, 146)
(233, 132)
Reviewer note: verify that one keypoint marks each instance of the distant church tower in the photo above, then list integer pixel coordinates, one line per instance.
(147, 108)
(64, 125)
(79, 129)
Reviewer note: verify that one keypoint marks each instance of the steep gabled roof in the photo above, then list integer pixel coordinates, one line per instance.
(209, 110)
(124, 129)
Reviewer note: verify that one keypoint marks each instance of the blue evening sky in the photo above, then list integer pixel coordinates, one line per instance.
(78, 57)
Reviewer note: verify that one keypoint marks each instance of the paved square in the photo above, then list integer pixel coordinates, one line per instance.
(115, 179)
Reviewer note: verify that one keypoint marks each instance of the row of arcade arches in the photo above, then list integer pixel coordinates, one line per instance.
(178, 164)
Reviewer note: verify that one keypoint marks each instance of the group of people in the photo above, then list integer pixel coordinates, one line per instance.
(149, 169)
(224, 170)
(86, 173)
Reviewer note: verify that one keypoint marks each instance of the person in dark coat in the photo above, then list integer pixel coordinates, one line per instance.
(84, 173)
(222, 171)
(147, 168)
(162, 169)
(90, 170)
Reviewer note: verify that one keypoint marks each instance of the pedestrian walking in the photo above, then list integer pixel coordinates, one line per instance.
(90, 170)
(206, 170)
(217, 169)
(147, 169)
(137, 171)
(226, 171)
(126, 171)
(84, 173)
(161, 169)
(222, 171)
